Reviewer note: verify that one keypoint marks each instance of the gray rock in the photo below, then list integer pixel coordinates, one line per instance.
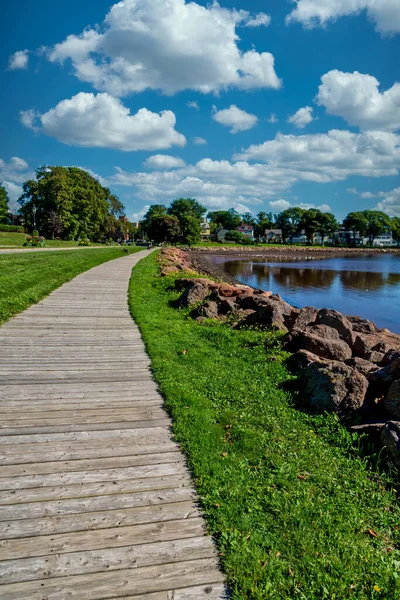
(334, 387)
(306, 316)
(390, 438)
(390, 357)
(392, 401)
(209, 310)
(226, 306)
(273, 312)
(337, 321)
(363, 366)
(193, 294)
(331, 349)
(361, 325)
(323, 331)
(375, 357)
(301, 360)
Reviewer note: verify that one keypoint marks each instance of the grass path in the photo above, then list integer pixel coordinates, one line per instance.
(27, 278)
(295, 509)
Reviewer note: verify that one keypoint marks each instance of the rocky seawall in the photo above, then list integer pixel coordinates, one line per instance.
(345, 363)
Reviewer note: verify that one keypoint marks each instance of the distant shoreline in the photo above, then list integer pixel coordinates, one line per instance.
(276, 251)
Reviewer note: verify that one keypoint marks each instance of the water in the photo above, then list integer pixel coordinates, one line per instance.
(364, 285)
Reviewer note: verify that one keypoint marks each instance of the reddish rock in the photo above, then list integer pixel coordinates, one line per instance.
(306, 316)
(375, 357)
(326, 348)
(361, 325)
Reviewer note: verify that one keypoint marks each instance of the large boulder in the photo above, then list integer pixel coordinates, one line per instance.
(269, 312)
(334, 387)
(381, 341)
(305, 317)
(301, 360)
(226, 306)
(181, 283)
(363, 366)
(392, 401)
(334, 319)
(325, 347)
(208, 310)
(390, 438)
(361, 325)
(193, 294)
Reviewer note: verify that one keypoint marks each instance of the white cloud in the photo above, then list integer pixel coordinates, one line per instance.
(356, 98)
(138, 216)
(193, 104)
(18, 60)
(12, 174)
(364, 195)
(302, 117)
(331, 156)
(272, 118)
(311, 13)
(167, 45)
(236, 118)
(279, 205)
(101, 121)
(391, 203)
(199, 141)
(260, 20)
(18, 164)
(163, 161)
(325, 208)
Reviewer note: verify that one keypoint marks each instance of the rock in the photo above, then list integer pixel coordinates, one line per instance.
(334, 387)
(229, 291)
(226, 306)
(182, 283)
(326, 348)
(193, 294)
(306, 316)
(168, 271)
(378, 342)
(392, 401)
(337, 321)
(374, 356)
(301, 360)
(390, 438)
(209, 310)
(323, 331)
(249, 300)
(363, 366)
(269, 311)
(390, 357)
(361, 325)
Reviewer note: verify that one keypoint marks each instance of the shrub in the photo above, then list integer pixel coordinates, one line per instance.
(84, 242)
(12, 228)
(35, 240)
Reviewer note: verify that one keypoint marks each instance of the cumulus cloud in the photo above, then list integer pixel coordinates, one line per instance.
(311, 13)
(138, 216)
(390, 203)
(163, 161)
(260, 20)
(331, 156)
(101, 121)
(279, 205)
(272, 118)
(12, 174)
(234, 117)
(364, 195)
(170, 46)
(302, 117)
(356, 98)
(18, 60)
(193, 104)
(199, 141)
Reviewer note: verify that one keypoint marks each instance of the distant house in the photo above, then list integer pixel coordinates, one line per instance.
(219, 234)
(205, 230)
(383, 241)
(247, 231)
(273, 236)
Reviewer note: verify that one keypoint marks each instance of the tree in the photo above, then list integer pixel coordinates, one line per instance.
(165, 228)
(248, 219)
(235, 236)
(369, 223)
(80, 202)
(289, 221)
(327, 225)
(355, 222)
(185, 207)
(3, 204)
(227, 219)
(311, 223)
(55, 225)
(155, 210)
(190, 229)
(395, 226)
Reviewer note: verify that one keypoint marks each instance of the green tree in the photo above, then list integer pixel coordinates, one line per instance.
(3, 204)
(165, 228)
(54, 224)
(395, 226)
(327, 225)
(183, 207)
(190, 229)
(155, 210)
(80, 202)
(377, 223)
(235, 236)
(290, 221)
(248, 219)
(228, 219)
(311, 222)
(356, 222)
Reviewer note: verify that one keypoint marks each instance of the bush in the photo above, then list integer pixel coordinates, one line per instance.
(84, 242)
(12, 228)
(34, 241)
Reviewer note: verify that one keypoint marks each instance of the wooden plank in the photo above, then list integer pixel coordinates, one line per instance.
(70, 466)
(17, 517)
(108, 425)
(84, 477)
(115, 537)
(215, 591)
(117, 583)
(100, 415)
(175, 476)
(94, 561)
(177, 507)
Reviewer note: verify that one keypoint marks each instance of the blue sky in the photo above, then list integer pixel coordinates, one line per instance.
(260, 105)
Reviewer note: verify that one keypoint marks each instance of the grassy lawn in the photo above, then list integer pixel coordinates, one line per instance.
(15, 240)
(294, 507)
(27, 278)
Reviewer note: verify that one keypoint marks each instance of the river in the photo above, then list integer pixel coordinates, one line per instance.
(364, 285)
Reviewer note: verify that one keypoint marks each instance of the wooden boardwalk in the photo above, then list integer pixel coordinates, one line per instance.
(95, 498)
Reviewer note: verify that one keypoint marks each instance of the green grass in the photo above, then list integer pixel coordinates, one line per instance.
(294, 507)
(16, 240)
(27, 278)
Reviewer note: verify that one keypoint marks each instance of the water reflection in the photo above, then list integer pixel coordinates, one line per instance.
(368, 286)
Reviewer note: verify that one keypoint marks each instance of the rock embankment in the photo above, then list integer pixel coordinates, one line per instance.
(345, 363)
